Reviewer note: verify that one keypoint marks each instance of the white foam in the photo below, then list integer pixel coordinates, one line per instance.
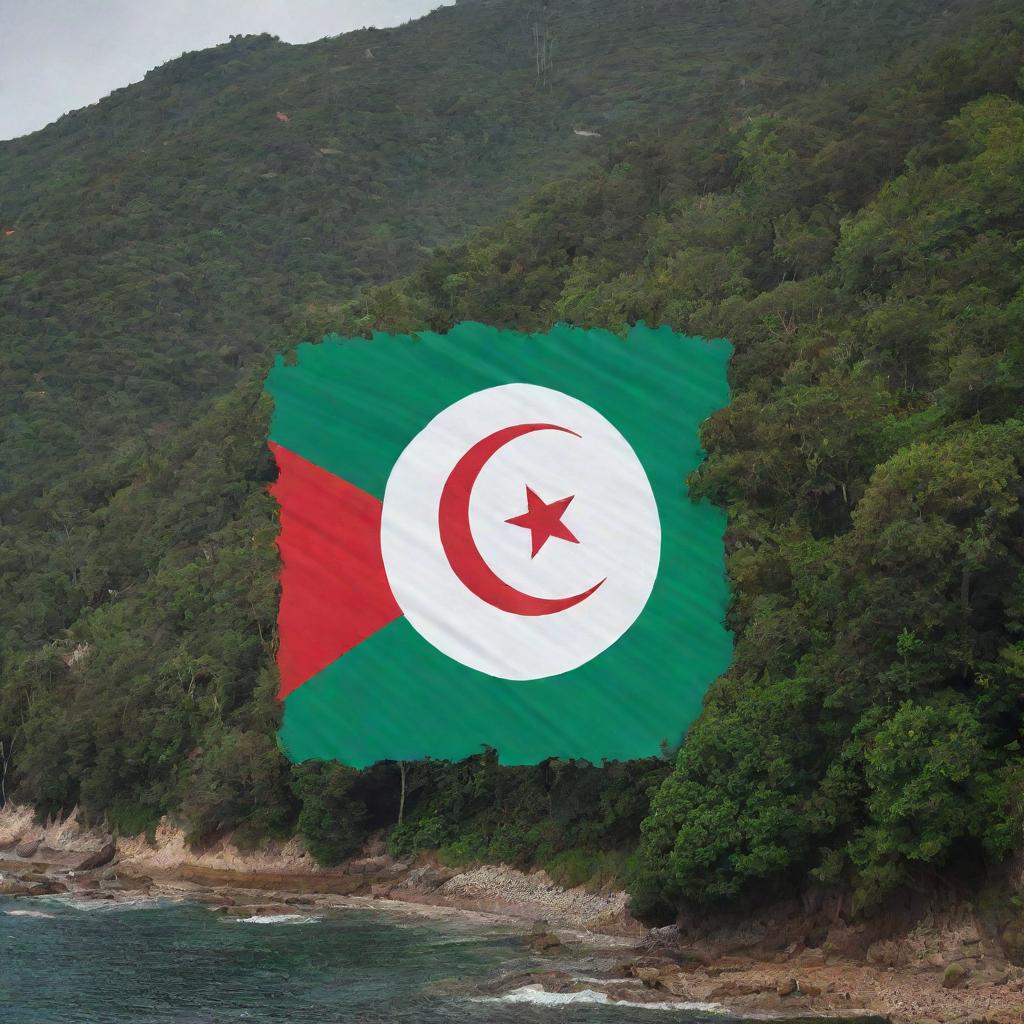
(583, 979)
(27, 913)
(98, 905)
(536, 995)
(277, 919)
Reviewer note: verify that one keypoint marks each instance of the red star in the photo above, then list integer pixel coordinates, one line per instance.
(544, 520)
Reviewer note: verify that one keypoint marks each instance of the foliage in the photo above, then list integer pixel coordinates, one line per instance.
(478, 811)
(853, 223)
(332, 821)
(870, 462)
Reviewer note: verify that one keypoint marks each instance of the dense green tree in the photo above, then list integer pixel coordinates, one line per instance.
(854, 224)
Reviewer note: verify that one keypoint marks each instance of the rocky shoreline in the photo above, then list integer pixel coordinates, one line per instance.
(943, 970)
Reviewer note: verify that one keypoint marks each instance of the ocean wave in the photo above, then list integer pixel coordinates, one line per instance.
(92, 905)
(277, 919)
(28, 913)
(536, 995)
(584, 978)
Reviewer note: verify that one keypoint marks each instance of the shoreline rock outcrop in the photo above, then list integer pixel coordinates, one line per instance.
(940, 970)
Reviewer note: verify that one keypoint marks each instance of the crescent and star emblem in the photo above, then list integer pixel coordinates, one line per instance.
(542, 519)
(494, 557)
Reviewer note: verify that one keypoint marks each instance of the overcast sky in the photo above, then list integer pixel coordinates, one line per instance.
(57, 55)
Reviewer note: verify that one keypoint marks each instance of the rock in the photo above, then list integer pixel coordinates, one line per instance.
(426, 879)
(27, 848)
(101, 857)
(217, 899)
(541, 938)
(883, 954)
(676, 984)
(614, 922)
(543, 942)
(648, 975)
(786, 987)
(619, 993)
(988, 972)
(630, 969)
(954, 975)
(730, 989)
(132, 883)
(47, 887)
(667, 977)
(1012, 1015)
(1012, 940)
(375, 846)
(14, 887)
(366, 865)
(549, 981)
(811, 957)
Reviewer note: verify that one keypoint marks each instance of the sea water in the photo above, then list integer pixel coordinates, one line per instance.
(111, 963)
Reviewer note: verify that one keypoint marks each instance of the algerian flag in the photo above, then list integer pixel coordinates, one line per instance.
(487, 540)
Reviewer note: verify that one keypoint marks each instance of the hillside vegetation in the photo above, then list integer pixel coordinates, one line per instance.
(854, 224)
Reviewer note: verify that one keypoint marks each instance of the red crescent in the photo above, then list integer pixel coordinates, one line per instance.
(457, 538)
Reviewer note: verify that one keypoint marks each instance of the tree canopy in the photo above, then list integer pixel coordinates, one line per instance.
(852, 221)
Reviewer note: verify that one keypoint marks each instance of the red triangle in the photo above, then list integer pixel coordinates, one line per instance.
(334, 591)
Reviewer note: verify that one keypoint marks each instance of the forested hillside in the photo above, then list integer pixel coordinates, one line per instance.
(849, 214)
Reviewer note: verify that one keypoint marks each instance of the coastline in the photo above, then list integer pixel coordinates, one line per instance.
(942, 971)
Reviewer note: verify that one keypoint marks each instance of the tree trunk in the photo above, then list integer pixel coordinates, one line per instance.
(5, 760)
